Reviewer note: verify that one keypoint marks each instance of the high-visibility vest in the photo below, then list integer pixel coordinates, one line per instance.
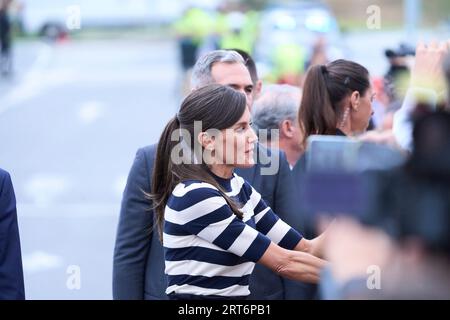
(196, 24)
(289, 59)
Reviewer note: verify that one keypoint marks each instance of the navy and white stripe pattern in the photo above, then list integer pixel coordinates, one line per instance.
(208, 250)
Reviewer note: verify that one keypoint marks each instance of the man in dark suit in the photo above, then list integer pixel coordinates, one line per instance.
(138, 271)
(11, 273)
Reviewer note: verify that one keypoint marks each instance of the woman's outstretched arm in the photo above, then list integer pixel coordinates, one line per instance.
(314, 246)
(296, 265)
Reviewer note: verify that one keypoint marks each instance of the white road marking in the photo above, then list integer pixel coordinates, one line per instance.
(39, 261)
(91, 111)
(45, 188)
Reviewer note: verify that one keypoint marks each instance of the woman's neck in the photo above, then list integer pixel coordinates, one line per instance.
(222, 170)
(346, 129)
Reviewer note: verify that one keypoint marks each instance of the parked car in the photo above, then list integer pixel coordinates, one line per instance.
(51, 18)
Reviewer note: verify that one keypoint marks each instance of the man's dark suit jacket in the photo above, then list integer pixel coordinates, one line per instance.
(138, 270)
(11, 273)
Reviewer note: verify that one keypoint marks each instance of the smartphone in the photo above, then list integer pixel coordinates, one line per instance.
(334, 193)
(342, 154)
(339, 174)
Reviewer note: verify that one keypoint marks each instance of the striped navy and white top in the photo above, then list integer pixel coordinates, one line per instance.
(208, 250)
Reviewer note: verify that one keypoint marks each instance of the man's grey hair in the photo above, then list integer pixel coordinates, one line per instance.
(276, 104)
(201, 73)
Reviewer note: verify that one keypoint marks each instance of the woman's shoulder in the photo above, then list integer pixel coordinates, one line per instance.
(242, 183)
(191, 192)
(194, 187)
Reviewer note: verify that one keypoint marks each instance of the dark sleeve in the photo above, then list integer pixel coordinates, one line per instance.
(134, 232)
(284, 204)
(11, 272)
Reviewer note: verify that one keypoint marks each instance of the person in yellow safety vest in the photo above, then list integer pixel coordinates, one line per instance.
(288, 64)
(237, 34)
(191, 30)
(251, 26)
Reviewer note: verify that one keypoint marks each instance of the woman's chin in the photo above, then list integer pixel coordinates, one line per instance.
(246, 165)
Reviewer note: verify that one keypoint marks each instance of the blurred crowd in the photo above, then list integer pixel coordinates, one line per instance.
(236, 26)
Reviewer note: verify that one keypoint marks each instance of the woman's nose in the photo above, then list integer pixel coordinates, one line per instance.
(253, 137)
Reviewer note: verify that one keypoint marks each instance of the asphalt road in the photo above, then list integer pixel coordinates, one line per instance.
(71, 120)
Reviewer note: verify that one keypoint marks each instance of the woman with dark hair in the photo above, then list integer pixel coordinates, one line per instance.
(336, 99)
(214, 226)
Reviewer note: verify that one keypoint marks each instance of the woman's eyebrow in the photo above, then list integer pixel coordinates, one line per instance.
(241, 123)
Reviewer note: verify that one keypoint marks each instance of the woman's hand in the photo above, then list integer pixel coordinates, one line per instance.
(300, 266)
(428, 66)
(351, 248)
(315, 246)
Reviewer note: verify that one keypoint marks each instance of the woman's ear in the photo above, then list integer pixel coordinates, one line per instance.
(205, 141)
(354, 100)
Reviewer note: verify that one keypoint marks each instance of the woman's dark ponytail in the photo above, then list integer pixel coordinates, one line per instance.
(316, 114)
(324, 91)
(162, 182)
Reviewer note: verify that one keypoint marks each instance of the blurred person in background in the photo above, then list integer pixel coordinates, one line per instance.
(411, 238)
(238, 29)
(425, 93)
(397, 78)
(319, 53)
(5, 38)
(402, 248)
(277, 109)
(380, 103)
(446, 67)
(191, 31)
(11, 272)
(337, 100)
(395, 84)
(288, 64)
(251, 66)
